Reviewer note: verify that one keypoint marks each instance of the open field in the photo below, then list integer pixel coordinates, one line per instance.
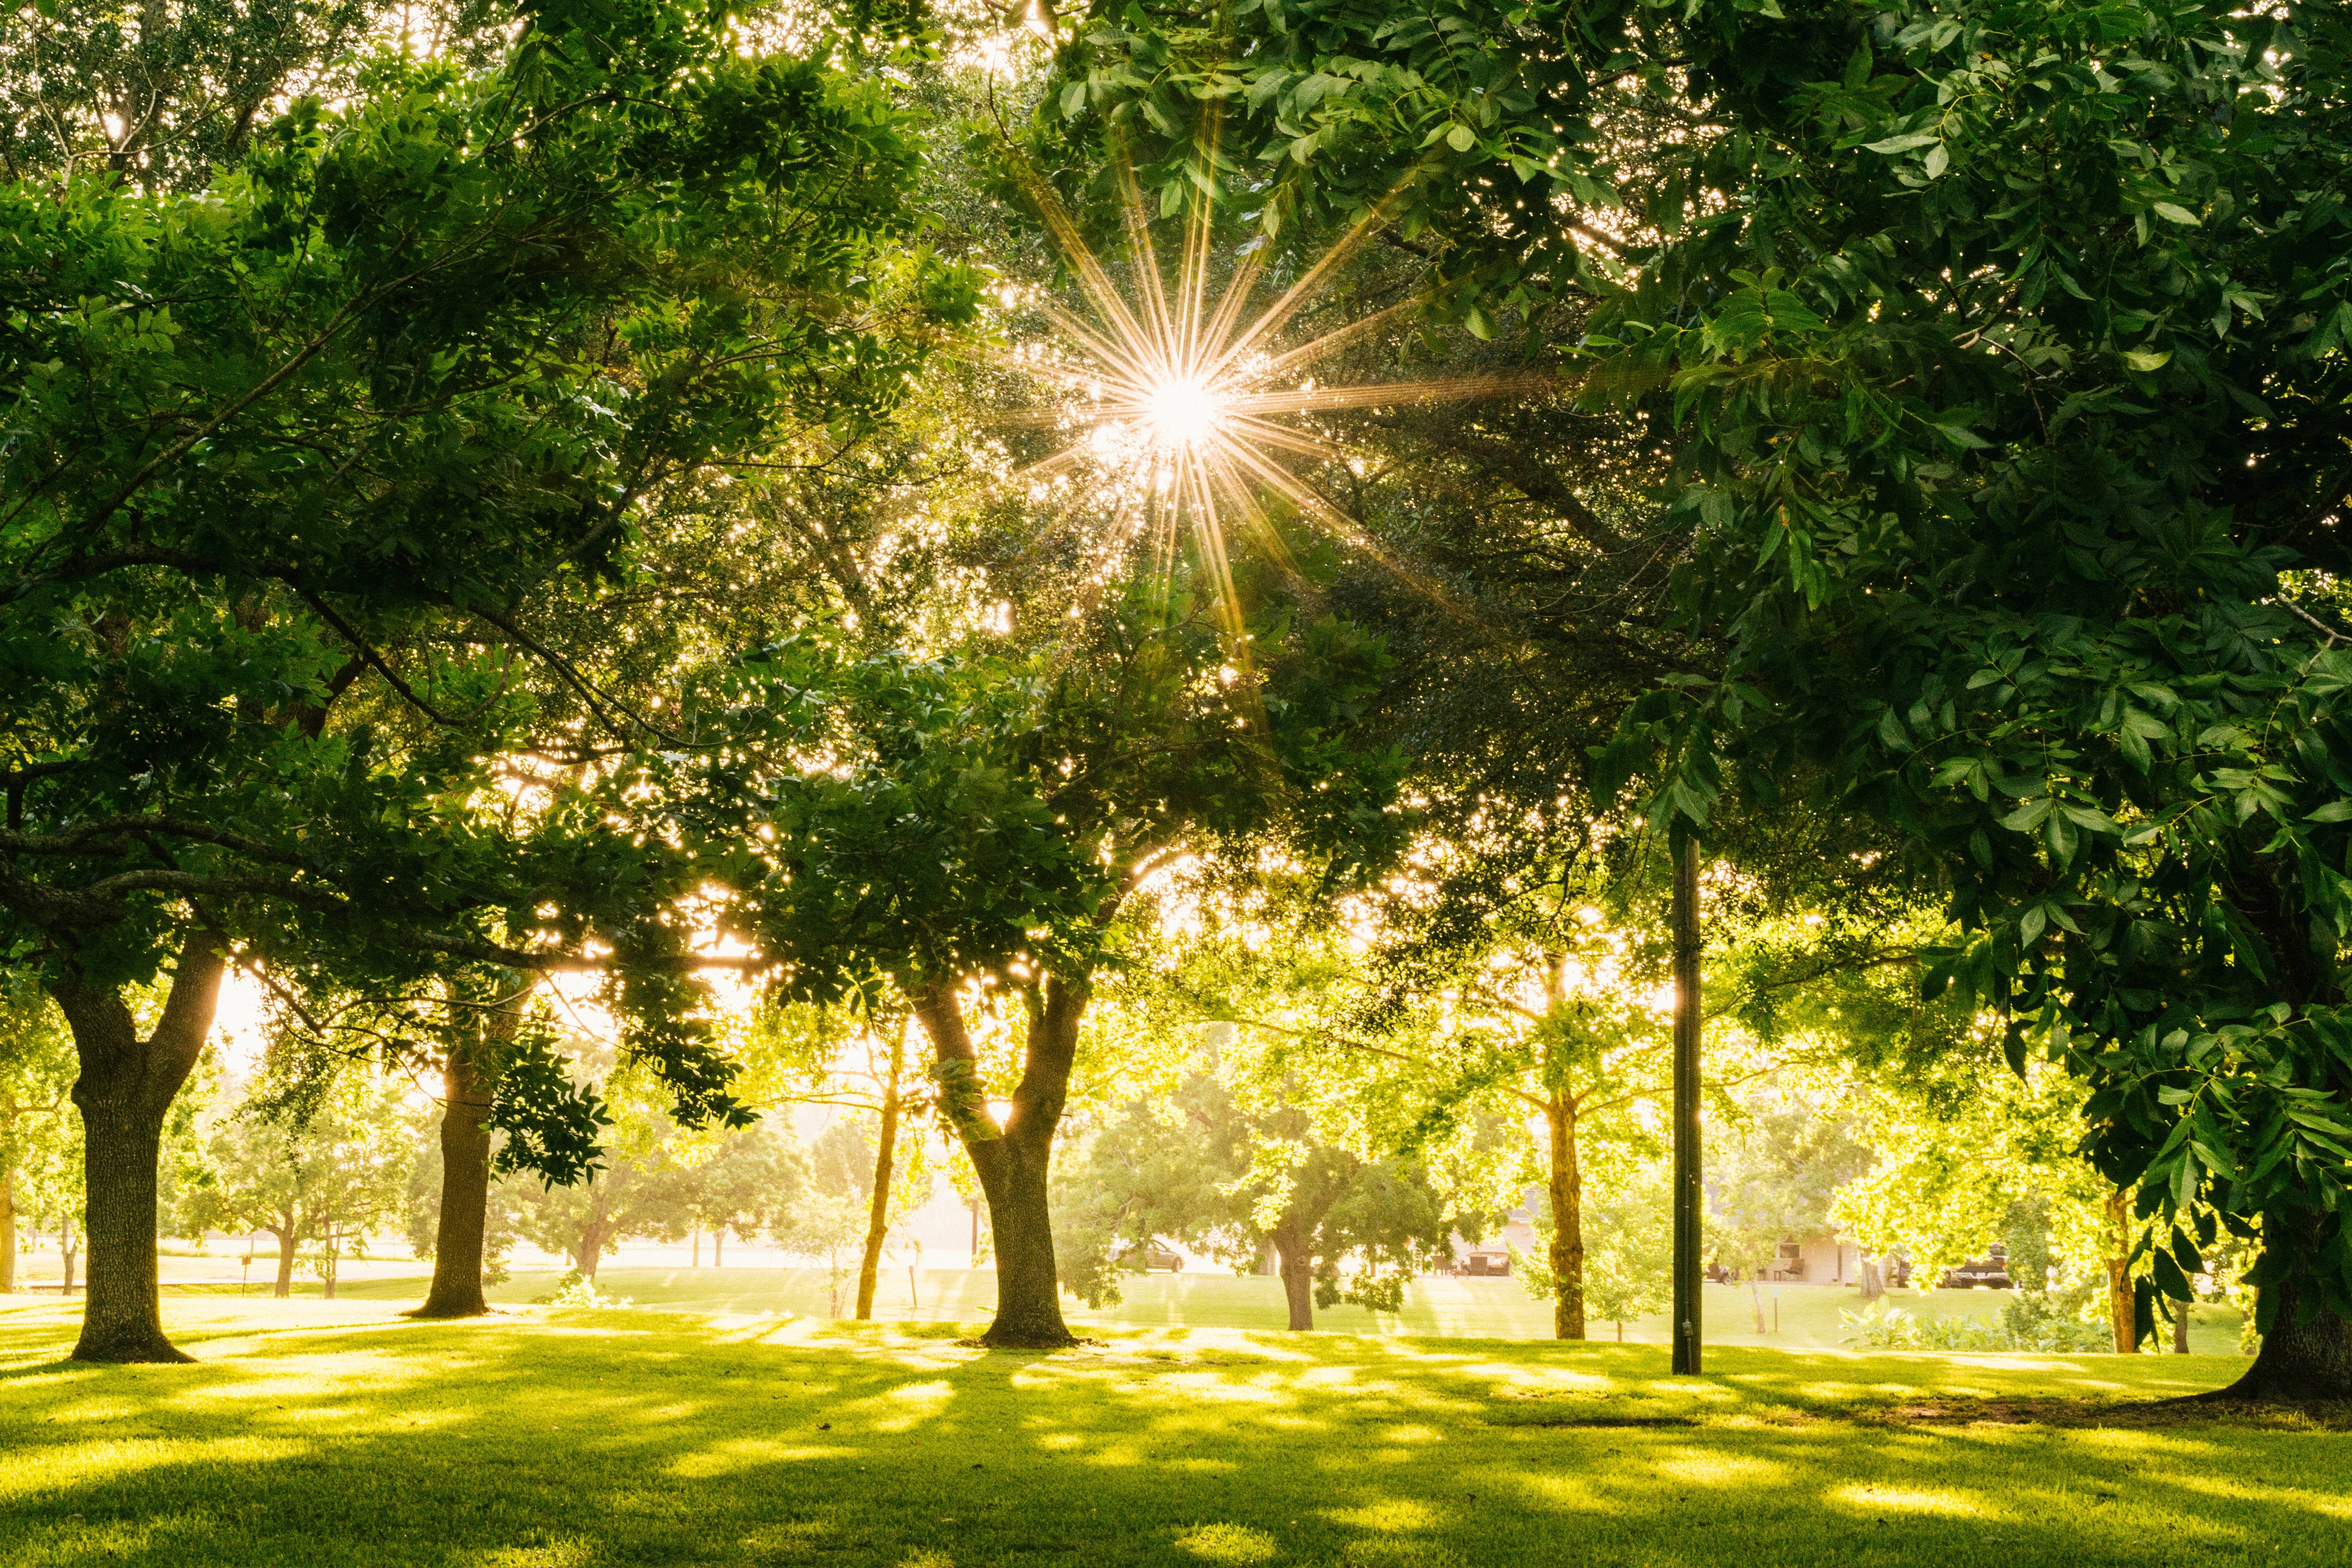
(1489, 1308)
(332, 1433)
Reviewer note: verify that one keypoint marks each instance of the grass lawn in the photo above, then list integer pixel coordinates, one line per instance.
(1485, 1309)
(323, 1433)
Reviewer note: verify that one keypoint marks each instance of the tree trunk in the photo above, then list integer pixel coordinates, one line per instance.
(1621, 1330)
(2180, 1328)
(285, 1258)
(460, 1235)
(1567, 1222)
(2300, 1363)
(877, 1222)
(1873, 1283)
(125, 1088)
(1013, 1163)
(2120, 1315)
(66, 1253)
(1294, 1249)
(718, 1245)
(591, 1250)
(1756, 1294)
(7, 1235)
(695, 1261)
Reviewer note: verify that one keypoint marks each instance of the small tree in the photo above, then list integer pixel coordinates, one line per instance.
(318, 1176)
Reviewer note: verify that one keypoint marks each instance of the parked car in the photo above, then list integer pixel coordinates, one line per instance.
(1990, 1272)
(1153, 1258)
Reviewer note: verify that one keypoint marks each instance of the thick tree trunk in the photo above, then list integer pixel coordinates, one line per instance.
(2180, 1328)
(125, 1088)
(878, 1222)
(2121, 1318)
(2300, 1363)
(1294, 1249)
(1013, 1163)
(459, 1237)
(1567, 1222)
(1873, 1283)
(285, 1258)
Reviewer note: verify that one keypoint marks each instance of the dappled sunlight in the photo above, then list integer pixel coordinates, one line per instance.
(615, 1431)
(1912, 1499)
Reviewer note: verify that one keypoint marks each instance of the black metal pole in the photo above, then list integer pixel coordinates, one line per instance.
(1689, 1193)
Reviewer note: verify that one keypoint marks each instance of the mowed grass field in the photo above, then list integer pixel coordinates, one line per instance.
(1808, 1316)
(335, 1432)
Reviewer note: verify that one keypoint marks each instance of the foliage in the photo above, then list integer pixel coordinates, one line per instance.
(2003, 350)
(1884, 1326)
(276, 550)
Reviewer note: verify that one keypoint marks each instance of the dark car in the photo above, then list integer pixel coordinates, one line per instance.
(1153, 1258)
(1990, 1272)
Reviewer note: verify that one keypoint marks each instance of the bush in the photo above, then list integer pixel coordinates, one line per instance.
(577, 1289)
(2038, 1322)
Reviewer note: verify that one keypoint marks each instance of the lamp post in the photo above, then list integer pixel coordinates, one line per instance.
(1689, 1195)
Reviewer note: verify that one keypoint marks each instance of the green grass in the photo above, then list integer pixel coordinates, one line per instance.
(314, 1433)
(1485, 1309)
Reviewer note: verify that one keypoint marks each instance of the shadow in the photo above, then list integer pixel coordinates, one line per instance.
(580, 1439)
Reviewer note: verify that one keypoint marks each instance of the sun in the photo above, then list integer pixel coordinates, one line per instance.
(1182, 403)
(1184, 411)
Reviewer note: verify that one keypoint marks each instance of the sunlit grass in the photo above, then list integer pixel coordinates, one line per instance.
(332, 1433)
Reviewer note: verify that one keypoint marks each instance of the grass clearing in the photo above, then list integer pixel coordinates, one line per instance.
(1439, 1305)
(333, 1433)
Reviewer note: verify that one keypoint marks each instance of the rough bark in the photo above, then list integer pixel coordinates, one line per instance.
(2120, 1315)
(2180, 1328)
(878, 1222)
(1011, 1161)
(1294, 1249)
(125, 1089)
(2301, 1362)
(458, 1237)
(1567, 1221)
(1873, 1283)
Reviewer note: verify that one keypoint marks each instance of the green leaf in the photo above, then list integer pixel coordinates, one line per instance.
(2147, 359)
(1903, 144)
(1462, 139)
(2179, 214)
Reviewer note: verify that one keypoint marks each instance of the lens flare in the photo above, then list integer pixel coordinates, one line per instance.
(1178, 401)
(1184, 411)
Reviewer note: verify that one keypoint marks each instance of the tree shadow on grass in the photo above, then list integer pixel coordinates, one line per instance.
(583, 1440)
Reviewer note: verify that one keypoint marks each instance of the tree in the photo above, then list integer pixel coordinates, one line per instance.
(988, 818)
(258, 704)
(1216, 1173)
(317, 1171)
(165, 93)
(2004, 355)
(745, 1181)
(1776, 1163)
(36, 1077)
(1628, 1251)
(634, 1189)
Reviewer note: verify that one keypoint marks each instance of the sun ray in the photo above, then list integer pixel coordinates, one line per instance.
(1182, 410)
